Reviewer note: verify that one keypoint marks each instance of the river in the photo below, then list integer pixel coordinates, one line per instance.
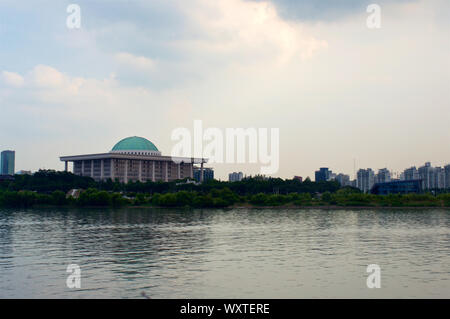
(231, 253)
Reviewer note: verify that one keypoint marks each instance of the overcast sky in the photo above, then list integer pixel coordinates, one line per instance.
(337, 90)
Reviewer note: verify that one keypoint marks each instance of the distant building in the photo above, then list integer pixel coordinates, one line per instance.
(447, 176)
(298, 178)
(343, 179)
(323, 174)
(235, 177)
(22, 172)
(365, 179)
(439, 177)
(208, 174)
(133, 159)
(411, 174)
(397, 187)
(383, 176)
(427, 175)
(7, 162)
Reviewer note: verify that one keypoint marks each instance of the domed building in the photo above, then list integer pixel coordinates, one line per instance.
(133, 159)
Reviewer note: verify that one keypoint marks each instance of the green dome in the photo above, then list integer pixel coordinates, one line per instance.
(135, 143)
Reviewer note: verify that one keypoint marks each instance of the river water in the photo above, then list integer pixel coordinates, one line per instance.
(236, 253)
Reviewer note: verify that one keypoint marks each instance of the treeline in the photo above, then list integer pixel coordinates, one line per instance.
(220, 198)
(46, 181)
(50, 188)
(89, 197)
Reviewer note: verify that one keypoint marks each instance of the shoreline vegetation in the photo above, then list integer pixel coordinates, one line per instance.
(50, 188)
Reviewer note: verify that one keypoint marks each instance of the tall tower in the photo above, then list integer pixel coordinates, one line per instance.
(7, 162)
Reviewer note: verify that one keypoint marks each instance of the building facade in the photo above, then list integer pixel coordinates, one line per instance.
(383, 176)
(447, 176)
(397, 187)
(343, 179)
(208, 174)
(365, 179)
(133, 159)
(410, 174)
(426, 174)
(7, 162)
(323, 174)
(235, 177)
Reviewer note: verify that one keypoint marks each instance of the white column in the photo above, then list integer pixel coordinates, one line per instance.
(82, 167)
(92, 168)
(125, 178)
(179, 171)
(111, 170)
(102, 169)
(166, 178)
(153, 172)
(140, 171)
(201, 172)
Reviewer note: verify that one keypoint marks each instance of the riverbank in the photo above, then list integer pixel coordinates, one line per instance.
(221, 198)
(249, 206)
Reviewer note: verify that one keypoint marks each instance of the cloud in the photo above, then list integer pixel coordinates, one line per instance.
(12, 79)
(46, 77)
(325, 10)
(135, 62)
(247, 31)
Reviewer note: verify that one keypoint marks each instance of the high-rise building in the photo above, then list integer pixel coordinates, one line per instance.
(365, 179)
(208, 174)
(235, 177)
(447, 176)
(427, 175)
(323, 174)
(343, 179)
(411, 174)
(383, 176)
(439, 177)
(7, 162)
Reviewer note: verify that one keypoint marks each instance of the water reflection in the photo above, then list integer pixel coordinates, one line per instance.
(224, 253)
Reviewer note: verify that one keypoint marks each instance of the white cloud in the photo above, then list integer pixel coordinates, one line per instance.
(12, 79)
(46, 76)
(251, 29)
(135, 62)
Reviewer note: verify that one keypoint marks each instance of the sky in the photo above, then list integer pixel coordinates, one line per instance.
(339, 92)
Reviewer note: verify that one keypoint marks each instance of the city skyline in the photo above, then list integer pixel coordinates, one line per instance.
(408, 173)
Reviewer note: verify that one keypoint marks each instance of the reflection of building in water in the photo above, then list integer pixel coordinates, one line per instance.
(133, 159)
